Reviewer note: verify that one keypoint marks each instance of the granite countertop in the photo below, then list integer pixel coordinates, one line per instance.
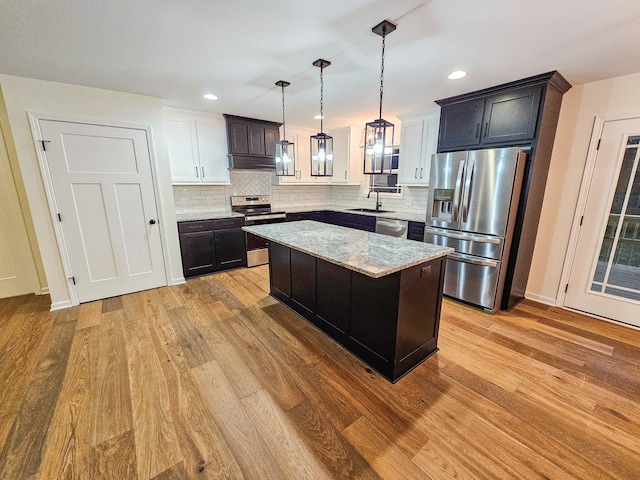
(368, 253)
(398, 215)
(411, 216)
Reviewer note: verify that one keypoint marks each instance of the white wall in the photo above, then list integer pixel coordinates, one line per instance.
(23, 95)
(580, 106)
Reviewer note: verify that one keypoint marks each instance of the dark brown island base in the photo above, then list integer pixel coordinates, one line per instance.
(378, 296)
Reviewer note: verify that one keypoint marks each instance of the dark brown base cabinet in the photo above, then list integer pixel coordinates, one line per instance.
(391, 322)
(211, 245)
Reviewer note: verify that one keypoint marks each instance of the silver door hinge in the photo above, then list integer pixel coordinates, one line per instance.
(581, 219)
(598, 147)
(59, 218)
(44, 144)
(566, 287)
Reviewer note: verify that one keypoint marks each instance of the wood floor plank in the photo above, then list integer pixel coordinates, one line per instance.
(386, 459)
(154, 310)
(227, 356)
(69, 452)
(338, 455)
(440, 462)
(169, 297)
(89, 314)
(22, 452)
(248, 448)
(111, 304)
(136, 329)
(205, 452)
(287, 446)
(192, 342)
(19, 358)
(263, 364)
(177, 472)
(112, 391)
(116, 458)
(157, 447)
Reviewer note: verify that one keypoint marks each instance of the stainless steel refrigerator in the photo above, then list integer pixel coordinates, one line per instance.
(472, 206)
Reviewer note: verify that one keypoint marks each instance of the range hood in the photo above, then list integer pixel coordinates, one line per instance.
(251, 143)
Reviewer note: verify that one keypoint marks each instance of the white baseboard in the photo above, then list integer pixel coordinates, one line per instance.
(540, 299)
(43, 291)
(61, 305)
(178, 281)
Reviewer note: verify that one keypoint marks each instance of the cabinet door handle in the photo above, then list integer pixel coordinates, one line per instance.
(421, 171)
(345, 174)
(416, 174)
(477, 130)
(486, 129)
(197, 172)
(202, 168)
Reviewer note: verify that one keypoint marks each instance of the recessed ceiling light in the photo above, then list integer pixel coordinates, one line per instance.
(457, 75)
(210, 96)
(318, 117)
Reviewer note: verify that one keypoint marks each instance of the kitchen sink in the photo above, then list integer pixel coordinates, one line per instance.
(369, 210)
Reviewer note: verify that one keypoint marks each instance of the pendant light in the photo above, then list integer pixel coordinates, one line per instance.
(285, 156)
(321, 144)
(378, 137)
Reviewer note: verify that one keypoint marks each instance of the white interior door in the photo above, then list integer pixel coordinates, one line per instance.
(605, 276)
(17, 271)
(104, 192)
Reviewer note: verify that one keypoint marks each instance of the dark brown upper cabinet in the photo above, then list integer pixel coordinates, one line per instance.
(502, 119)
(251, 142)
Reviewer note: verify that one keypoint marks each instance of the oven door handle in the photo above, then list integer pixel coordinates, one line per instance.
(275, 216)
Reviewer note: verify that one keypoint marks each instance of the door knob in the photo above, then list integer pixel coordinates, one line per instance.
(152, 222)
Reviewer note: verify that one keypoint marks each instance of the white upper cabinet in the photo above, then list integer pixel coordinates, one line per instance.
(418, 141)
(301, 137)
(197, 146)
(348, 160)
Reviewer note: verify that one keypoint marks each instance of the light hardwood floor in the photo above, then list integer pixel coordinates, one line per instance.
(215, 379)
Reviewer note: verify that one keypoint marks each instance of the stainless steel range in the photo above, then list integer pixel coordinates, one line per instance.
(257, 211)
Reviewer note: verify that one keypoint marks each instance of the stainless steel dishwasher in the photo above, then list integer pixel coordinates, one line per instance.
(392, 227)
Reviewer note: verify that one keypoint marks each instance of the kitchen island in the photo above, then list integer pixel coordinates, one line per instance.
(378, 296)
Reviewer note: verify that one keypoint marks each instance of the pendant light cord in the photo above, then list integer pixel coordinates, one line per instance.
(321, 97)
(384, 34)
(284, 128)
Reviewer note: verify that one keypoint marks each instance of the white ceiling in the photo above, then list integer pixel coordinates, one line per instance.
(179, 49)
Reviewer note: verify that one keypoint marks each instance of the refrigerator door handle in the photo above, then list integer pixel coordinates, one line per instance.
(472, 260)
(463, 236)
(457, 194)
(468, 183)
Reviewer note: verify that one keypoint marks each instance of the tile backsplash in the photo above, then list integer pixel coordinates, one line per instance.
(215, 198)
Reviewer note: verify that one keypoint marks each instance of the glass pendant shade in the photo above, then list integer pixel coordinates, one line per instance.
(378, 135)
(378, 147)
(285, 151)
(321, 143)
(321, 155)
(285, 159)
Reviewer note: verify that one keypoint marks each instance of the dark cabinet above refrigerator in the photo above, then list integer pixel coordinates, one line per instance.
(251, 143)
(520, 114)
(497, 120)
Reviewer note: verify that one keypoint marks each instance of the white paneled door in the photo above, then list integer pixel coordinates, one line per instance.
(103, 187)
(605, 276)
(16, 265)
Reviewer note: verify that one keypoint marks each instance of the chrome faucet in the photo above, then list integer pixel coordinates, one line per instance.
(378, 203)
